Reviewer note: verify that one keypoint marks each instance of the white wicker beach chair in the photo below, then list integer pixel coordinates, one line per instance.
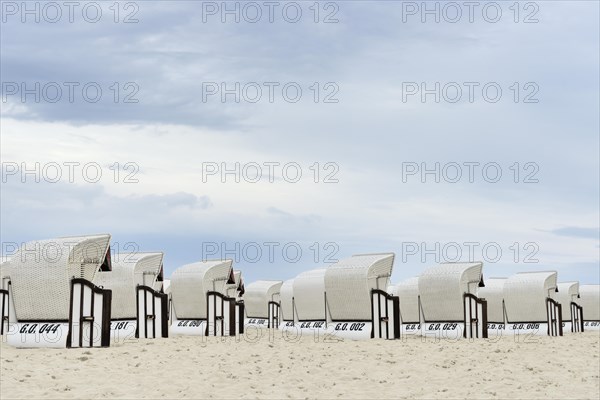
(129, 272)
(258, 295)
(442, 288)
(356, 292)
(191, 283)
(199, 300)
(449, 299)
(262, 303)
(133, 281)
(530, 300)
(349, 283)
(53, 293)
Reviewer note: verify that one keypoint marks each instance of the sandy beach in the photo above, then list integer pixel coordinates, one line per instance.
(193, 367)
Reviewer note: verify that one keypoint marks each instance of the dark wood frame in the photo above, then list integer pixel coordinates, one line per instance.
(4, 293)
(106, 311)
(484, 318)
(275, 318)
(378, 319)
(232, 304)
(576, 317)
(164, 308)
(554, 319)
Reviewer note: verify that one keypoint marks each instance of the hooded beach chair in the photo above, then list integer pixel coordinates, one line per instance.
(200, 305)
(262, 303)
(138, 307)
(55, 302)
(572, 312)
(449, 300)
(358, 304)
(531, 304)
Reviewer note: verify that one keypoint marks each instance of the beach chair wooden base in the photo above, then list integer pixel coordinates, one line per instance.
(88, 324)
(152, 314)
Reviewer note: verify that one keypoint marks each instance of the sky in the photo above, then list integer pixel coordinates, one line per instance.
(288, 135)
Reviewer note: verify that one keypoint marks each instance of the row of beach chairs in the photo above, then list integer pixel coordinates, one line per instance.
(68, 292)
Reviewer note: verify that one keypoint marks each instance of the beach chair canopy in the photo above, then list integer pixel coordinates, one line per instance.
(160, 277)
(493, 293)
(525, 295)
(258, 295)
(589, 299)
(442, 288)
(129, 271)
(236, 289)
(349, 282)
(309, 295)
(567, 292)
(286, 294)
(41, 273)
(408, 294)
(191, 283)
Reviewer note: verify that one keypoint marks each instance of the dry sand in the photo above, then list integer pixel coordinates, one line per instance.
(194, 367)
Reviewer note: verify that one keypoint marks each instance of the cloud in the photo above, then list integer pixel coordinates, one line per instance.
(45, 210)
(578, 232)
